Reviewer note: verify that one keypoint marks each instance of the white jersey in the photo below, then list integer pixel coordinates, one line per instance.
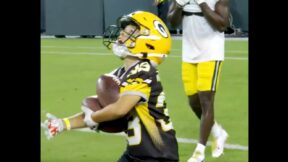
(201, 42)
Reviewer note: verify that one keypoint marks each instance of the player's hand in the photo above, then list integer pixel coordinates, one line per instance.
(182, 3)
(53, 126)
(88, 118)
(200, 1)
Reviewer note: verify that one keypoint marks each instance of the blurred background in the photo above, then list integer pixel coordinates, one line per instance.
(89, 18)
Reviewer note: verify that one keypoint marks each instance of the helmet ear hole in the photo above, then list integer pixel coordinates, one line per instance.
(151, 47)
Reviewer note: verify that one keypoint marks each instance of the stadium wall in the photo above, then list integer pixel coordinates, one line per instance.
(239, 11)
(42, 29)
(91, 17)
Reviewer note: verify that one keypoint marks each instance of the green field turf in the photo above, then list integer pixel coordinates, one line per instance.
(70, 68)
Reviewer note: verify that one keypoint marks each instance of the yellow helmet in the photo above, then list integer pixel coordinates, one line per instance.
(153, 41)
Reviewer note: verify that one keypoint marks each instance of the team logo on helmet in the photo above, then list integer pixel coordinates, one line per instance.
(160, 28)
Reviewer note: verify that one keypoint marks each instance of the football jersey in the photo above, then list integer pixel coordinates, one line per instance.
(150, 132)
(201, 42)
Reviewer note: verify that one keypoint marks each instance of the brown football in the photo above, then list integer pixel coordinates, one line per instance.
(107, 90)
(114, 126)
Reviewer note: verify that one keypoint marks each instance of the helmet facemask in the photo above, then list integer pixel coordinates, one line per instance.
(128, 29)
(112, 33)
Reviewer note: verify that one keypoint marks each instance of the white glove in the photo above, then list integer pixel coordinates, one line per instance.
(88, 119)
(182, 3)
(200, 1)
(52, 126)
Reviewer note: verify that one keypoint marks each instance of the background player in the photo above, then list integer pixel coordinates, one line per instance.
(204, 22)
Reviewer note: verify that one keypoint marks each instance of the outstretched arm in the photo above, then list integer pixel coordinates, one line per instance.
(219, 18)
(53, 125)
(76, 121)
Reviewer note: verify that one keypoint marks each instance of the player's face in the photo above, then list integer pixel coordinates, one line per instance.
(130, 32)
(119, 48)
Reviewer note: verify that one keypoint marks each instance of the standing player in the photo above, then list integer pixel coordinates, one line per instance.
(141, 40)
(204, 22)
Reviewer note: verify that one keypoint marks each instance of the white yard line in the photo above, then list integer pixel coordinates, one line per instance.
(74, 47)
(94, 48)
(110, 54)
(78, 53)
(180, 140)
(174, 37)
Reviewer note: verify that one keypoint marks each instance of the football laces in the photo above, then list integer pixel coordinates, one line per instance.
(115, 78)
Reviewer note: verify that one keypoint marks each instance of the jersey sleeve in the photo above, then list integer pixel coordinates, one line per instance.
(138, 81)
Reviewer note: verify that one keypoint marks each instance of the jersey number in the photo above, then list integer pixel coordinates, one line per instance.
(134, 125)
(144, 66)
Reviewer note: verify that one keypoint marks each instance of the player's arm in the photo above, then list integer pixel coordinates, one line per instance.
(53, 125)
(174, 14)
(116, 110)
(219, 18)
(76, 121)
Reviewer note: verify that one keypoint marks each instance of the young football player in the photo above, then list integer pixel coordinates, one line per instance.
(142, 41)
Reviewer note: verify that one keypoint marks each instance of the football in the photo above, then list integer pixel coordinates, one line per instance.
(114, 126)
(107, 89)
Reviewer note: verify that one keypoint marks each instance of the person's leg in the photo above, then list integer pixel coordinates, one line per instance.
(195, 105)
(218, 133)
(190, 79)
(219, 138)
(209, 75)
(207, 80)
(207, 116)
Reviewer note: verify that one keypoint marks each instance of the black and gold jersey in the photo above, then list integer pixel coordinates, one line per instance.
(150, 131)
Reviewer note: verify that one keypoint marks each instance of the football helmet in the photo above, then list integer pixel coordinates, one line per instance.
(153, 39)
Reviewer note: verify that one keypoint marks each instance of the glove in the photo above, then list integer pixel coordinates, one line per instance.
(182, 3)
(53, 126)
(88, 119)
(200, 1)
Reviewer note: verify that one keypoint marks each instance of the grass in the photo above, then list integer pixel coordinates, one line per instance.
(70, 67)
